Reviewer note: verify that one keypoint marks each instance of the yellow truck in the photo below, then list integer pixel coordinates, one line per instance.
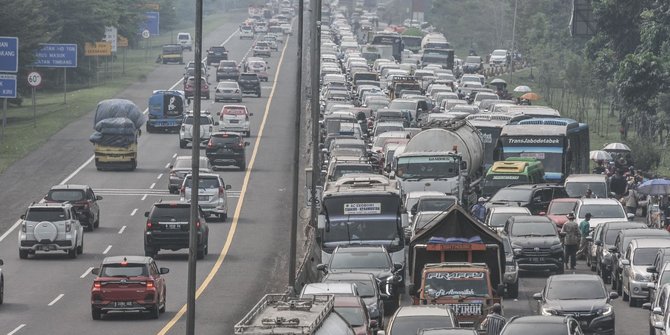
(117, 127)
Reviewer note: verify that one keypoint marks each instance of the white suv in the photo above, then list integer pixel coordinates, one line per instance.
(186, 131)
(212, 197)
(50, 227)
(185, 40)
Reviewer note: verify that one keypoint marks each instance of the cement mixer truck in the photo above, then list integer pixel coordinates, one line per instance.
(445, 157)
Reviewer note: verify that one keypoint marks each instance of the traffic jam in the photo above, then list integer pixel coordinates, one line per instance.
(441, 188)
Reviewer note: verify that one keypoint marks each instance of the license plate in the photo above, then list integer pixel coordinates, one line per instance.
(234, 121)
(537, 259)
(173, 226)
(123, 303)
(203, 197)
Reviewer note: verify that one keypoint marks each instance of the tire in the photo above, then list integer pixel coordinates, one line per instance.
(258, 94)
(150, 129)
(96, 224)
(593, 267)
(182, 144)
(23, 254)
(155, 311)
(513, 291)
(243, 166)
(625, 297)
(72, 253)
(561, 270)
(162, 309)
(80, 249)
(201, 253)
(223, 217)
(96, 314)
(619, 289)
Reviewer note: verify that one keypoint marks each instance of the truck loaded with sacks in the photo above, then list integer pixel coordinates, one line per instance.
(117, 125)
(445, 157)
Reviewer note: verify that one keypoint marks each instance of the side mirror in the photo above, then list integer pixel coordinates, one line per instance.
(23, 216)
(612, 249)
(404, 219)
(170, 166)
(321, 222)
(630, 216)
(95, 271)
(614, 295)
(651, 269)
(589, 238)
(97, 197)
(537, 296)
(464, 165)
(657, 311)
(647, 306)
(246, 144)
(146, 214)
(164, 270)
(625, 262)
(216, 123)
(251, 114)
(322, 267)
(228, 187)
(397, 266)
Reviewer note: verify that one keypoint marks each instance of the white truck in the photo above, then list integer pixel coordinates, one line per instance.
(445, 157)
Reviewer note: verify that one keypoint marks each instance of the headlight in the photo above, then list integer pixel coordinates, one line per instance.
(607, 310)
(641, 277)
(510, 268)
(557, 247)
(547, 311)
(517, 251)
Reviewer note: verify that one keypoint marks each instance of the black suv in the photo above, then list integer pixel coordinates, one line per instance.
(250, 83)
(581, 296)
(168, 228)
(216, 54)
(550, 325)
(227, 70)
(227, 148)
(535, 243)
(82, 199)
(535, 197)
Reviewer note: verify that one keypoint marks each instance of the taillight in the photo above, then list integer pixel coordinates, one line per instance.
(150, 284)
(210, 144)
(97, 284)
(23, 227)
(173, 174)
(206, 87)
(183, 128)
(68, 226)
(149, 224)
(220, 190)
(240, 145)
(237, 91)
(182, 191)
(197, 224)
(211, 129)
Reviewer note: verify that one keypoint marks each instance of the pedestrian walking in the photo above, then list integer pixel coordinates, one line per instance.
(494, 322)
(571, 240)
(584, 230)
(631, 199)
(478, 210)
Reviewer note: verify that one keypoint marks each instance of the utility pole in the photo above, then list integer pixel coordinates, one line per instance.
(195, 176)
(511, 59)
(296, 158)
(315, 27)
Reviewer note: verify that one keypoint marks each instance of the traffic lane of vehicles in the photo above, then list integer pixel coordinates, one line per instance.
(69, 148)
(257, 262)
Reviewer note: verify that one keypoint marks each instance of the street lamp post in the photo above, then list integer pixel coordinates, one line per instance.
(511, 59)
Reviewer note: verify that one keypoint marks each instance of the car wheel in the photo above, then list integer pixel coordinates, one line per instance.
(23, 254)
(80, 249)
(201, 253)
(162, 309)
(243, 166)
(150, 129)
(223, 217)
(72, 253)
(561, 270)
(625, 296)
(155, 311)
(258, 94)
(96, 314)
(513, 291)
(593, 267)
(182, 144)
(96, 224)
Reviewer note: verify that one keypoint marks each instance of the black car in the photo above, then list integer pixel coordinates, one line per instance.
(227, 70)
(167, 228)
(369, 259)
(550, 325)
(621, 243)
(535, 243)
(250, 83)
(227, 148)
(82, 198)
(603, 237)
(216, 55)
(366, 285)
(535, 197)
(581, 296)
(511, 277)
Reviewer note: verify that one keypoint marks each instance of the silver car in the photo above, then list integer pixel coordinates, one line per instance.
(639, 255)
(207, 125)
(182, 167)
(228, 90)
(50, 227)
(212, 196)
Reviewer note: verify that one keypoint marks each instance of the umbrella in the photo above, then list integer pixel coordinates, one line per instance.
(522, 89)
(530, 96)
(600, 155)
(616, 147)
(498, 81)
(655, 187)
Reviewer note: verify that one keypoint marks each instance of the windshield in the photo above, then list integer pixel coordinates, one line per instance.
(511, 195)
(45, 214)
(203, 120)
(499, 219)
(575, 290)
(579, 189)
(360, 260)
(552, 161)
(344, 169)
(473, 59)
(402, 105)
(354, 315)
(495, 182)
(123, 270)
(644, 256)
(561, 207)
(412, 324)
(363, 229)
(602, 211)
(66, 195)
(427, 167)
(499, 53)
(171, 214)
(203, 183)
(186, 163)
(438, 284)
(533, 229)
(531, 328)
(435, 205)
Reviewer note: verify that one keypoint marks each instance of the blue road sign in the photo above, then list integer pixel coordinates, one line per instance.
(56, 55)
(9, 54)
(152, 23)
(7, 86)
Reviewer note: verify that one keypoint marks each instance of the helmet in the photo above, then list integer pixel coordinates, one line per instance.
(571, 215)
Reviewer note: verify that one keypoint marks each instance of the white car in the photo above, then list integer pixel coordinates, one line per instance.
(227, 90)
(235, 118)
(51, 227)
(498, 57)
(186, 131)
(212, 197)
(497, 216)
(602, 210)
(246, 32)
(185, 41)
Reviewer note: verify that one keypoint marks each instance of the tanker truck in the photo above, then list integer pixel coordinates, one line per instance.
(445, 157)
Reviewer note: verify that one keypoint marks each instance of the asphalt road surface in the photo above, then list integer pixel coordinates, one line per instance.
(50, 294)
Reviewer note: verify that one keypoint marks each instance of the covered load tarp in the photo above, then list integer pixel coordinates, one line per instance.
(119, 108)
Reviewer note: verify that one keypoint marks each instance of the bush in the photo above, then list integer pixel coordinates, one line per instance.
(646, 155)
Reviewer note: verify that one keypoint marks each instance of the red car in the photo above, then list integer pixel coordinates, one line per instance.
(128, 284)
(559, 209)
(189, 88)
(354, 311)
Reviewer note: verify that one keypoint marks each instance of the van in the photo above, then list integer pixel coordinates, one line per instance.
(185, 41)
(577, 184)
(235, 118)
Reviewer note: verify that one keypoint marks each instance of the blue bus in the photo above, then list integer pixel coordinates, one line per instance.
(561, 144)
(166, 111)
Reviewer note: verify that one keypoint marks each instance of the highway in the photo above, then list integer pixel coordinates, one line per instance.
(50, 294)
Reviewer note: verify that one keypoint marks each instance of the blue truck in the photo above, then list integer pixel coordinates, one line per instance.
(166, 111)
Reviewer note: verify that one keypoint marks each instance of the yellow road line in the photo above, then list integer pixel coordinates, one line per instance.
(238, 208)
